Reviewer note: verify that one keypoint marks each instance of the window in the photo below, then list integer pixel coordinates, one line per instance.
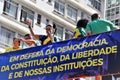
(20, 36)
(90, 2)
(39, 19)
(47, 22)
(112, 3)
(27, 14)
(59, 33)
(68, 34)
(108, 13)
(95, 3)
(88, 17)
(108, 1)
(49, 1)
(72, 13)
(116, 22)
(59, 7)
(117, 10)
(10, 8)
(82, 15)
(6, 36)
(113, 13)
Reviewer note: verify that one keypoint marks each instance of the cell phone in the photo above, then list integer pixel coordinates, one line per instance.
(48, 32)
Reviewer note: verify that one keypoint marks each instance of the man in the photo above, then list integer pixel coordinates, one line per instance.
(16, 45)
(28, 42)
(50, 30)
(98, 25)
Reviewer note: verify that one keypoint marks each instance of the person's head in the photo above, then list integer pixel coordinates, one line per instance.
(16, 42)
(82, 23)
(94, 16)
(27, 36)
(50, 29)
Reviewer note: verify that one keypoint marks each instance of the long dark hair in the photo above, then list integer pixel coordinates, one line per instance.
(82, 23)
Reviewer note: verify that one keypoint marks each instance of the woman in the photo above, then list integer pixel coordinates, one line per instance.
(16, 45)
(80, 30)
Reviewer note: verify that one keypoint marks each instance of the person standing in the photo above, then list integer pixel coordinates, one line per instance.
(80, 30)
(45, 39)
(16, 45)
(27, 42)
(98, 25)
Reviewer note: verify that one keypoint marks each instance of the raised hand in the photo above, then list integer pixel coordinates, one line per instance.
(28, 22)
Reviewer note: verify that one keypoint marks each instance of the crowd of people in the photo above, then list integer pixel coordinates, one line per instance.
(84, 28)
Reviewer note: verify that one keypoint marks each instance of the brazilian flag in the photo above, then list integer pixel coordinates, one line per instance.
(79, 32)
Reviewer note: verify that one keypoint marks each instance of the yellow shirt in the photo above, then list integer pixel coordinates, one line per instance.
(12, 49)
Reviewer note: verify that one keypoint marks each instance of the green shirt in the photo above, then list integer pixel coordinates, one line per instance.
(99, 26)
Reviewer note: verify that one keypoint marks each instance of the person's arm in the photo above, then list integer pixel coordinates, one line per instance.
(88, 30)
(50, 36)
(31, 31)
(28, 42)
(31, 42)
(89, 33)
(112, 26)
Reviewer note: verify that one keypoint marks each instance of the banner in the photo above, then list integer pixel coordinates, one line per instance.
(87, 56)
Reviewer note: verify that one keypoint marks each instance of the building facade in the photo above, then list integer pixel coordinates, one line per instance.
(63, 13)
(113, 11)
